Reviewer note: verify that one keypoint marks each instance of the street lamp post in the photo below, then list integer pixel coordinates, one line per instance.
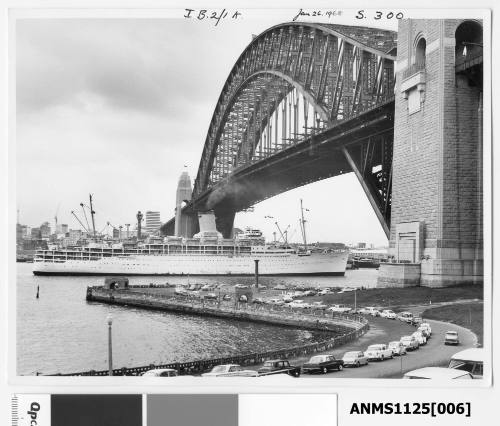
(110, 347)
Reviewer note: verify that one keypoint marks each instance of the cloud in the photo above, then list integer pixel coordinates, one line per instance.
(142, 65)
(117, 107)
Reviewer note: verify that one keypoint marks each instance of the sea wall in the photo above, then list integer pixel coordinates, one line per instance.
(338, 329)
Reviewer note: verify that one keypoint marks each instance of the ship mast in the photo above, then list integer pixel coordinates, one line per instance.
(303, 225)
(92, 212)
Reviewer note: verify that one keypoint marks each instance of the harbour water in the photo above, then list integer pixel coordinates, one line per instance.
(61, 333)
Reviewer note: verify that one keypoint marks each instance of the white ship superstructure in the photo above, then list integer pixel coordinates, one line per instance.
(205, 255)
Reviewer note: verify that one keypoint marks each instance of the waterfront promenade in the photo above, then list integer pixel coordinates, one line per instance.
(338, 329)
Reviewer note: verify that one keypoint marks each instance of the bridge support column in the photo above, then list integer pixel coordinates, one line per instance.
(436, 236)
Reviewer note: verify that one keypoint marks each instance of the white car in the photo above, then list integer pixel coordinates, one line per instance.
(471, 360)
(161, 372)
(341, 309)
(300, 304)
(278, 302)
(425, 331)
(405, 317)
(387, 313)
(397, 348)
(229, 370)
(451, 338)
(369, 310)
(410, 343)
(427, 326)
(378, 352)
(318, 305)
(439, 373)
(287, 298)
(421, 339)
(355, 359)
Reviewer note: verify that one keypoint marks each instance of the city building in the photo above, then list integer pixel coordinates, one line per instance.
(153, 222)
(45, 230)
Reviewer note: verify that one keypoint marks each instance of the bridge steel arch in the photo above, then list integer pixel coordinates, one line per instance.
(333, 73)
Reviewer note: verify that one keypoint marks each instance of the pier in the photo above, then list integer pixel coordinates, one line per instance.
(338, 329)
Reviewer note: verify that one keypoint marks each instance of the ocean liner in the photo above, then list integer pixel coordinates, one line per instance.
(207, 253)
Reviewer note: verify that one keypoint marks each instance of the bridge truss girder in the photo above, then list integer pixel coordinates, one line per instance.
(332, 75)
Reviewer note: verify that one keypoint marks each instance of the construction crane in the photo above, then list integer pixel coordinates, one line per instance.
(55, 217)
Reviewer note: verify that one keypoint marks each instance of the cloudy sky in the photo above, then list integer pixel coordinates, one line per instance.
(117, 107)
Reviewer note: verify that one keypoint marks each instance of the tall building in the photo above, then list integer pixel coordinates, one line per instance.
(153, 222)
(45, 230)
(183, 195)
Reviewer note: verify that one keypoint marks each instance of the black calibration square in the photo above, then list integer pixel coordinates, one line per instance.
(96, 410)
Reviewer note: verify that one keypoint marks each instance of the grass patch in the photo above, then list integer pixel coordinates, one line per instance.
(395, 297)
(468, 315)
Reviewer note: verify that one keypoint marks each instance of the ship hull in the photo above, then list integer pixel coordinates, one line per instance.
(284, 265)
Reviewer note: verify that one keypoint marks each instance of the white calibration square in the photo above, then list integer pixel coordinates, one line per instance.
(287, 409)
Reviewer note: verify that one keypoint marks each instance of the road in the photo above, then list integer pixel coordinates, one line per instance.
(434, 353)
(382, 330)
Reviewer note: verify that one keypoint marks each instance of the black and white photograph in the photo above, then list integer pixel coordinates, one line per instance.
(223, 192)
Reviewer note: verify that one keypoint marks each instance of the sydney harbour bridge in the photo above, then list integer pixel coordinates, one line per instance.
(303, 102)
(309, 101)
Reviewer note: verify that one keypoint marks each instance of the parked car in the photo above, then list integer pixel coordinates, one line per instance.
(300, 304)
(451, 338)
(279, 366)
(427, 326)
(421, 339)
(322, 364)
(287, 298)
(439, 373)
(161, 372)
(397, 348)
(241, 286)
(387, 313)
(226, 297)
(258, 301)
(410, 343)
(405, 317)
(275, 301)
(228, 370)
(416, 321)
(210, 296)
(470, 360)
(378, 352)
(355, 359)
(341, 309)
(318, 305)
(425, 331)
(370, 310)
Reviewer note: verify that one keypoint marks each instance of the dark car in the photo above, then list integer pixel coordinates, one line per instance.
(322, 364)
(279, 366)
